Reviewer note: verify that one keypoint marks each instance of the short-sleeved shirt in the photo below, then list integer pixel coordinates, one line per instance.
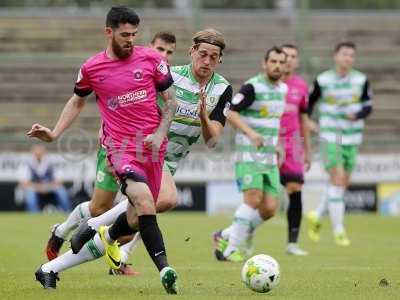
(126, 94)
(185, 129)
(296, 104)
(338, 97)
(260, 104)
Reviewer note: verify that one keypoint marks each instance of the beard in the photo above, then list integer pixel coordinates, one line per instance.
(121, 51)
(274, 77)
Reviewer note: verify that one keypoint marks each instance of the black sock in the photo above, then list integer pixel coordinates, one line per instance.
(153, 240)
(294, 213)
(120, 227)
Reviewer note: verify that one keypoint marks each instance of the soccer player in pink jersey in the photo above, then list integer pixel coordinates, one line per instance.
(125, 79)
(295, 137)
(106, 186)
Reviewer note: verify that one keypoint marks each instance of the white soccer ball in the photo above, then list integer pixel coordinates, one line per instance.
(261, 273)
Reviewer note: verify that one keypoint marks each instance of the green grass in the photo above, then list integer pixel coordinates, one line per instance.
(329, 272)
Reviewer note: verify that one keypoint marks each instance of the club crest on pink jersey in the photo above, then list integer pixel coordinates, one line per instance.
(138, 74)
(112, 103)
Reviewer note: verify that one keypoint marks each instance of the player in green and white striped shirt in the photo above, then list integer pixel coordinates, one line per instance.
(256, 112)
(345, 101)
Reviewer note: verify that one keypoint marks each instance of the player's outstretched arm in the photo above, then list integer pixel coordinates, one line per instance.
(71, 110)
(155, 140)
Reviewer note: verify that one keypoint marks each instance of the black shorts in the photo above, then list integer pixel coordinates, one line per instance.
(291, 177)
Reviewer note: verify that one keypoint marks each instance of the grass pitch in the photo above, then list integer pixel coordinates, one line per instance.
(368, 269)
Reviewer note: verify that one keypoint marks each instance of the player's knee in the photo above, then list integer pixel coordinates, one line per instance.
(167, 201)
(145, 206)
(96, 209)
(253, 198)
(267, 210)
(143, 201)
(338, 180)
(293, 187)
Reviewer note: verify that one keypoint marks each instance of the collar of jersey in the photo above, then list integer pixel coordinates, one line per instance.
(342, 77)
(267, 82)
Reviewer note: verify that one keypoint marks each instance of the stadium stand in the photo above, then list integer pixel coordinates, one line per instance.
(40, 56)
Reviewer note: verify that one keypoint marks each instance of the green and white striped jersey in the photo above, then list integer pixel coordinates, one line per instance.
(261, 105)
(340, 96)
(185, 128)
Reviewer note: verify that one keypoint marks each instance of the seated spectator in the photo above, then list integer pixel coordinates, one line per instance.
(39, 178)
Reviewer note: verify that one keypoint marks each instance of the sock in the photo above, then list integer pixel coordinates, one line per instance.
(256, 221)
(294, 214)
(119, 228)
(153, 240)
(109, 216)
(226, 232)
(323, 204)
(128, 248)
(92, 250)
(240, 228)
(80, 213)
(336, 207)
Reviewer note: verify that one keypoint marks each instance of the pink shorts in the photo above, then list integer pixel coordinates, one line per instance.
(140, 168)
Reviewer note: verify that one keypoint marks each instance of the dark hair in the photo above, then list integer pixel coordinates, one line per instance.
(165, 36)
(275, 49)
(346, 44)
(291, 46)
(121, 15)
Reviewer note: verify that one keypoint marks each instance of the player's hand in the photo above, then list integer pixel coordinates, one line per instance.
(42, 188)
(41, 132)
(280, 155)
(312, 126)
(202, 105)
(153, 141)
(307, 162)
(351, 117)
(257, 139)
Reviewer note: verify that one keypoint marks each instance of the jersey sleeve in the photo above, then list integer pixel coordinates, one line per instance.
(82, 84)
(220, 112)
(315, 94)
(244, 98)
(162, 75)
(366, 100)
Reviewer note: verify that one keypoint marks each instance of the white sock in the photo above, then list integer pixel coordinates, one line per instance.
(240, 227)
(81, 212)
(90, 251)
(130, 247)
(109, 216)
(255, 221)
(226, 232)
(336, 207)
(323, 204)
(108, 237)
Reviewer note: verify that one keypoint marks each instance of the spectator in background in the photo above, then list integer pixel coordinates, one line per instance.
(39, 178)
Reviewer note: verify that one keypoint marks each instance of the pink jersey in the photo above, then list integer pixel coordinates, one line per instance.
(126, 93)
(296, 103)
(290, 136)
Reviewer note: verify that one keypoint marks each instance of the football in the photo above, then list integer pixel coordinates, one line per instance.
(261, 273)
